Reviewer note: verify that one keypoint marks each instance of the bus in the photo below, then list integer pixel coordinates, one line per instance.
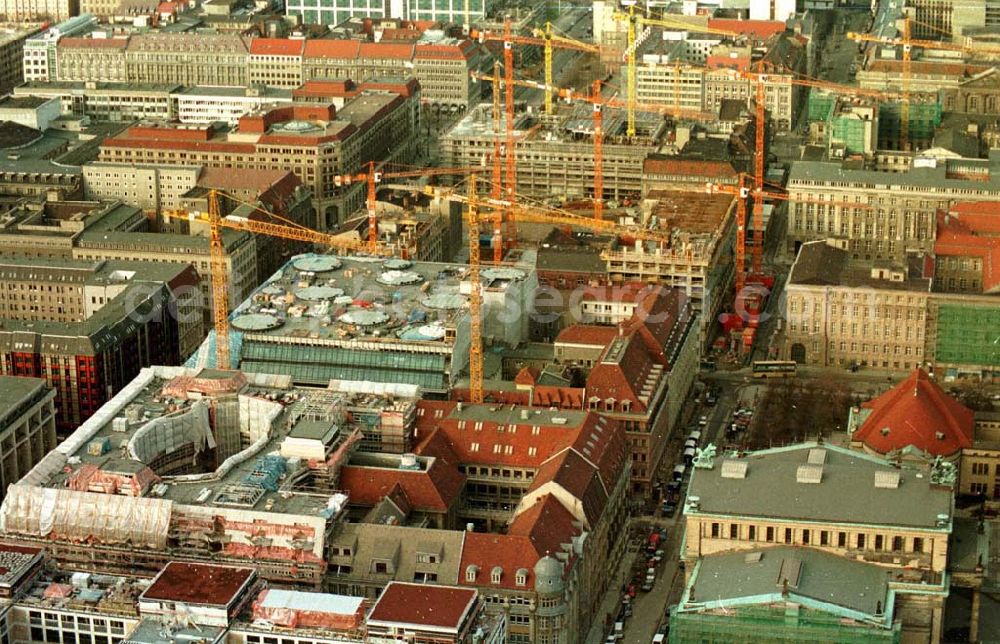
(773, 368)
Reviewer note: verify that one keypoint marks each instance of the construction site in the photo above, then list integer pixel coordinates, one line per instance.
(205, 465)
(556, 154)
(324, 317)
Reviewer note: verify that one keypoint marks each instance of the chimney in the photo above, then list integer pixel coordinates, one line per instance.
(878, 607)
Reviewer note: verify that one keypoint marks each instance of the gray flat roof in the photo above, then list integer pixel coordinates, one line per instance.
(14, 389)
(846, 494)
(839, 582)
(936, 177)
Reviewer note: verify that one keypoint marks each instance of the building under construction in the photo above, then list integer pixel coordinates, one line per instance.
(364, 318)
(555, 155)
(698, 260)
(203, 465)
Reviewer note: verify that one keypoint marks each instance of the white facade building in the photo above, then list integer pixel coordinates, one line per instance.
(227, 104)
(40, 50)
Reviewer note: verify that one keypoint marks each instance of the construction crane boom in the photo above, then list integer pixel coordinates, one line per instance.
(498, 151)
(372, 176)
(475, 300)
(510, 153)
(217, 255)
(548, 40)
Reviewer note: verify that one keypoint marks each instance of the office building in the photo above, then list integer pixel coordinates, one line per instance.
(407, 323)
(842, 316)
(40, 49)
(835, 501)
(87, 329)
(317, 143)
(895, 213)
(314, 12)
(27, 426)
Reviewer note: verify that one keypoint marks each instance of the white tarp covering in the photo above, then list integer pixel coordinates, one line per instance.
(68, 515)
(166, 434)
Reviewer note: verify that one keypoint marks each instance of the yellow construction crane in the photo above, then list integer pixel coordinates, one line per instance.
(217, 254)
(636, 22)
(546, 38)
(533, 214)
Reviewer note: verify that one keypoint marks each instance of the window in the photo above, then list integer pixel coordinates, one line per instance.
(918, 544)
(805, 536)
(824, 538)
(980, 469)
(496, 574)
(897, 544)
(861, 541)
(752, 533)
(788, 535)
(734, 531)
(769, 534)
(878, 542)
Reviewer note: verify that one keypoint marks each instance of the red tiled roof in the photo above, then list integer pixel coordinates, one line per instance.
(587, 334)
(660, 321)
(94, 43)
(578, 477)
(277, 47)
(459, 51)
(435, 489)
(508, 552)
(527, 376)
(259, 180)
(198, 583)
(982, 217)
(956, 238)
(762, 29)
(622, 377)
(332, 48)
(427, 605)
(916, 412)
(383, 51)
(560, 397)
(547, 524)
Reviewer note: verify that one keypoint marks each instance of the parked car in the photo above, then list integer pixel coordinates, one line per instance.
(669, 507)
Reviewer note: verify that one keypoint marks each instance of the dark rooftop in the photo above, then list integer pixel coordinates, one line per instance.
(194, 583)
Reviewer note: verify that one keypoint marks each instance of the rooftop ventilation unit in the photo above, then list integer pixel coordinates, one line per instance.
(809, 474)
(734, 469)
(817, 456)
(887, 479)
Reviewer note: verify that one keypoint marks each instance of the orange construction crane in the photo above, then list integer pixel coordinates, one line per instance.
(599, 102)
(219, 275)
(535, 214)
(510, 153)
(546, 38)
(373, 177)
(636, 22)
(743, 191)
(498, 151)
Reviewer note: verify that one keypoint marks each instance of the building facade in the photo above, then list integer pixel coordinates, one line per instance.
(903, 525)
(27, 426)
(838, 316)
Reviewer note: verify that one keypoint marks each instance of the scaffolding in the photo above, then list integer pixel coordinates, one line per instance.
(968, 334)
(924, 118)
(775, 624)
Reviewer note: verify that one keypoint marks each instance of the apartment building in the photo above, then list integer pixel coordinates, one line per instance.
(27, 426)
(895, 213)
(317, 143)
(631, 382)
(205, 104)
(87, 328)
(842, 316)
(40, 49)
(97, 59)
(152, 188)
(837, 501)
